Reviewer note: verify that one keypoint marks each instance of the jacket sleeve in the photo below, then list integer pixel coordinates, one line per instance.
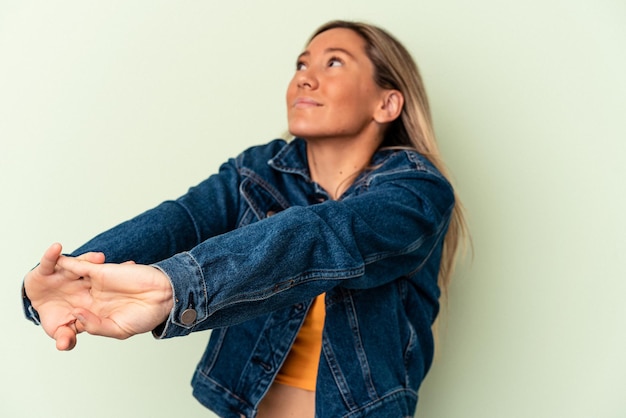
(388, 230)
(206, 210)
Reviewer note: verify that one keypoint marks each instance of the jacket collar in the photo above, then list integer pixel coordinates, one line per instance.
(292, 159)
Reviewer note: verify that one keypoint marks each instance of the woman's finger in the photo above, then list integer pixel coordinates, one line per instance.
(92, 257)
(76, 266)
(95, 325)
(49, 259)
(65, 338)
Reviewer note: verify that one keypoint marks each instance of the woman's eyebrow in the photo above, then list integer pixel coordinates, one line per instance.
(329, 51)
(342, 50)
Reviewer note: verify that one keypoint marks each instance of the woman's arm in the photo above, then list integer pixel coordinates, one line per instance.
(389, 231)
(208, 209)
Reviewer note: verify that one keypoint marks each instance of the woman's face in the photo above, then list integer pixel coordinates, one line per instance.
(333, 93)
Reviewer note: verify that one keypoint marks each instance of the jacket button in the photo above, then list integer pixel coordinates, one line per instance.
(270, 213)
(188, 316)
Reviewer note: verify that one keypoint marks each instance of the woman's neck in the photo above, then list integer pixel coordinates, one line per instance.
(335, 164)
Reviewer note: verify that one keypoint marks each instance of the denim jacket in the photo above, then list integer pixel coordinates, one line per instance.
(248, 249)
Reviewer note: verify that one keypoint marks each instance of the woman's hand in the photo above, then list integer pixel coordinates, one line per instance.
(79, 294)
(123, 299)
(54, 293)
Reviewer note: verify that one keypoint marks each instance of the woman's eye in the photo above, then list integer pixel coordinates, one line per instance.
(335, 62)
(300, 66)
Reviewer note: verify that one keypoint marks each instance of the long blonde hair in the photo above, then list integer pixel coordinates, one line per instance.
(394, 68)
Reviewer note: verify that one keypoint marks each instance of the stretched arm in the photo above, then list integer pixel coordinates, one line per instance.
(173, 226)
(392, 230)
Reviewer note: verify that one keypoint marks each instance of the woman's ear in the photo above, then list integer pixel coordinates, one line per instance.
(390, 107)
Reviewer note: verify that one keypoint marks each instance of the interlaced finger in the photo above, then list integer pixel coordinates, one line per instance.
(49, 259)
(77, 267)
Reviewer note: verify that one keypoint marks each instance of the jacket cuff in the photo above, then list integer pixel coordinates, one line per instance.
(30, 312)
(189, 294)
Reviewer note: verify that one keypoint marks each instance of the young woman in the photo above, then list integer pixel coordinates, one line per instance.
(317, 262)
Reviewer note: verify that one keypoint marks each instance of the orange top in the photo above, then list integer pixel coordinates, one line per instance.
(300, 366)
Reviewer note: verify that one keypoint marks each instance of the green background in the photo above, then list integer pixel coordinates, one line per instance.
(107, 108)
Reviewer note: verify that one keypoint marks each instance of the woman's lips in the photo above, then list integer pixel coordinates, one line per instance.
(305, 102)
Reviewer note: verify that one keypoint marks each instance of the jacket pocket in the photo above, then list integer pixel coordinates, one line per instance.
(262, 199)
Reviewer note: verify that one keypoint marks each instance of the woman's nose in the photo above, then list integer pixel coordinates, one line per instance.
(307, 79)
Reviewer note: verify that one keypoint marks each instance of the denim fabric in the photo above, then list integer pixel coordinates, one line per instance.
(248, 249)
